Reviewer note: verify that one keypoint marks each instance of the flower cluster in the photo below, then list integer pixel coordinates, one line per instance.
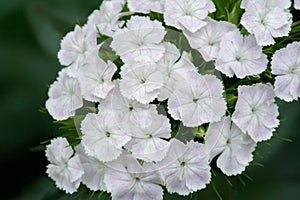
(142, 64)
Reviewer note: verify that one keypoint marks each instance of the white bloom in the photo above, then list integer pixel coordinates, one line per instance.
(240, 56)
(65, 169)
(94, 170)
(235, 148)
(297, 4)
(285, 4)
(101, 138)
(145, 6)
(187, 14)
(139, 40)
(149, 131)
(105, 20)
(141, 81)
(64, 97)
(185, 169)
(172, 69)
(286, 65)
(266, 21)
(130, 180)
(75, 46)
(123, 108)
(256, 112)
(207, 40)
(197, 100)
(95, 77)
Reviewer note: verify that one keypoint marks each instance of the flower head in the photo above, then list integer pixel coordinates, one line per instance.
(75, 47)
(256, 112)
(64, 97)
(101, 138)
(94, 170)
(240, 56)
(141, 81)
(139, 40)
(207, 40)
(266, 20)
(286, 65)
(106, 19)
(123, 108)
(235, 147)
(95, 77)
(145, 6)
(187, 14)
(285, 4)
(149, 132)
(172, 69)
(198, 99)
(64, 168)
(131, 180)
(185, 169)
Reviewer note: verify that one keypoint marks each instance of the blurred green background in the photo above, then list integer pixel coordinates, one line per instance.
(30, 34)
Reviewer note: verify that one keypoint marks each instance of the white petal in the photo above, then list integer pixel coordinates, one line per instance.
(256, 112)
(59, 151)
(94, 170)
(101, 138)
(139, 40)
(64, 97)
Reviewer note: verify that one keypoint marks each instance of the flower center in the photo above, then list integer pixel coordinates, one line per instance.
(195, 100)
(238, 58)
(137, 179)
(292, 70)
(143, 80)
(211, 43)
(107, 134)
(130, 107)
(263, 22)
(182, 164)
(102, 80)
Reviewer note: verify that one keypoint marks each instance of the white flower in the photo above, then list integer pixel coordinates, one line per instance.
(105, 20)
(187, 14)
(197, 100)
(297, 4)
(286, 65)
(101, 138)
(94, 170)
(123, 108)
(266, 21)
(149, 131)
(240, 56)
(185, 169)
(145, 6)
(141, 81)
(172, 69)
(235, 148)
(95, 77)
(139, 40)
(64, 168)
(207, 40)
(256, 112)
(75, 46)
(285, 4)
(64, 97)
(130, 180)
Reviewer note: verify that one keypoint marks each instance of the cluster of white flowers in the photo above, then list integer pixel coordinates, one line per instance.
(128, 147)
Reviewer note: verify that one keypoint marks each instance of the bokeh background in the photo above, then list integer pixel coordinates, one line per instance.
(30, 34)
